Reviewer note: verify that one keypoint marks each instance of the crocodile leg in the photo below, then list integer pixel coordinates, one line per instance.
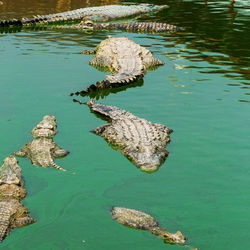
(4, 225)
(59, 152)
(24, 221)
(22, 152)
(89, 52)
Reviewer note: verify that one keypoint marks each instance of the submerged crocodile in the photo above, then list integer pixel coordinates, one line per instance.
(43, 150)
(126, 60)
(128, 26)
(12, 213)
(139, 220)
(141, 141)
(101, 13)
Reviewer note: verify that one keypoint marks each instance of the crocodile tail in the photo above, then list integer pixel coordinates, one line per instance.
(11, 22)
(114, 81)
(151, 27)
(4, 225)
(58, 167)
(133, 26)
(23, 21)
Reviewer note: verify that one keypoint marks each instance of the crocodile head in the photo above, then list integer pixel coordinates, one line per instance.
(46, 128)
(10, 172)
(148, 158)
(176, 238)
(86, 24)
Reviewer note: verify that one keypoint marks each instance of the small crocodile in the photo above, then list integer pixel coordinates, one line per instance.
(141, 141)
(139, 220)
(128, 26)
(126, 60)
(100, 13)
(12, 213)
(43, 150)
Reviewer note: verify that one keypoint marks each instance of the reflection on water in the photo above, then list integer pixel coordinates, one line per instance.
(101, 94)
(216, 33)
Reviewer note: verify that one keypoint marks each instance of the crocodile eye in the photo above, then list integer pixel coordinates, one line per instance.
(89, 23)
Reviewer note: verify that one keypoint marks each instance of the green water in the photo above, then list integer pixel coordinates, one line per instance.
(202, 93)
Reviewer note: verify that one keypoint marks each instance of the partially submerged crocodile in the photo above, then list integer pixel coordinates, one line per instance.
(43, 150)
(12, 213)
(141, 141)
(128, 26)
(101, 13)
(139, 220)
(126, 60)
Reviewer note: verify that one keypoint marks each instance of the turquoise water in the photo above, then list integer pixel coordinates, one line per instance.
(202, 93)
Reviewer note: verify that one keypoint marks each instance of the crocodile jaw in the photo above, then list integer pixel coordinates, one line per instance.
(148, 161)
(8, 171)
(46, 128)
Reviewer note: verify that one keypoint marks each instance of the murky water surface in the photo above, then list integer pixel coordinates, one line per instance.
(202, 92)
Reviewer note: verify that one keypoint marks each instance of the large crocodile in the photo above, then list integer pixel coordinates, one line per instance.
(126, 60)
(43, 150)
(141, 141)
(139, 220)
(12, 213)
(128, 26)
(101, 13)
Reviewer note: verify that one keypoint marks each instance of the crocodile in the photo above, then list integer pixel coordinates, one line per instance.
(128, 26)
(126, 60)
(139, 220)
(43, 150)
(100, 13)
(141, 141)
(12, 213)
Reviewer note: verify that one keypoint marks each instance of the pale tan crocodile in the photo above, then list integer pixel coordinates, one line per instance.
(126, 60)
(139, 220)
(141, 141)
(12, 213)
(43, 150)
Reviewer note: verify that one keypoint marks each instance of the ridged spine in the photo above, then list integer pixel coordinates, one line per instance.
(137, 26)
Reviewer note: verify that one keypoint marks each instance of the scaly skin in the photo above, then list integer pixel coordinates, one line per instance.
(139, 220)
(12, 213)
(101, 13)
(126, 60)
(43, 150)
(141, 141)
(128, 26)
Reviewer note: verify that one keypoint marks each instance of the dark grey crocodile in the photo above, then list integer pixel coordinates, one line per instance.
(43, 150)
(139, 220)
(128, 26)
(101, 13)
(12, 213)
(126, 60)
(141, 141)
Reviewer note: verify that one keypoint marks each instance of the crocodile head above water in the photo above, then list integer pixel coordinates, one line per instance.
(177, 238)
(46, 128)
(10, 173)
(148, 159)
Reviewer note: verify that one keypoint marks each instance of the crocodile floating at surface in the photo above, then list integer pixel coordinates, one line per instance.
(141, 141)
(139, 220)
(100, 13)
(126, 60)
(128, 26)
(12, 213)
(43, 150)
